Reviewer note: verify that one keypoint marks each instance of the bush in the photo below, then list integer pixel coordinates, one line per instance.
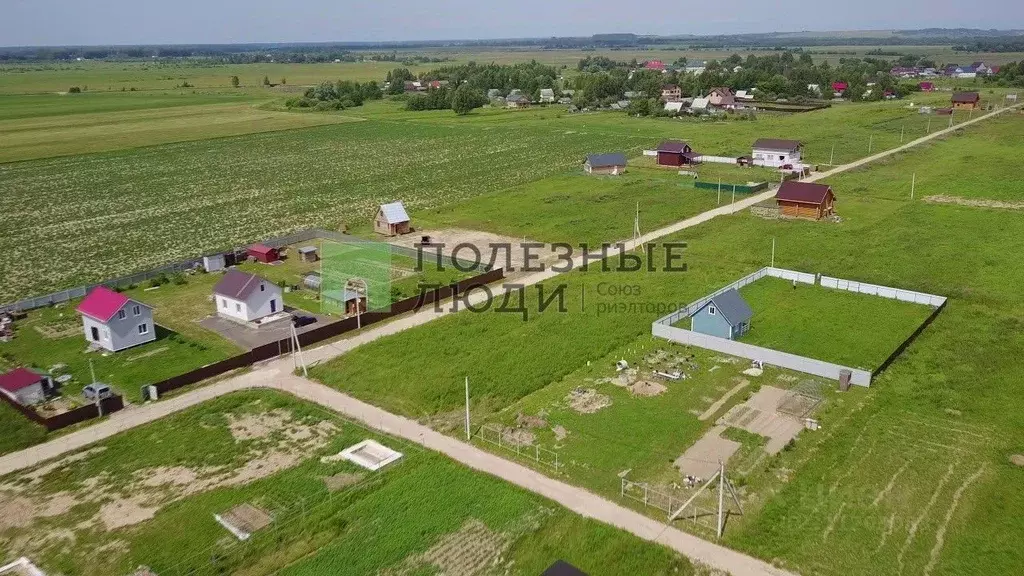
(158, 281)
(179, 279)
(74, 90)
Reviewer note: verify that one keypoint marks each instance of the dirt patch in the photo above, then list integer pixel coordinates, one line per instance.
(167, 476)
(646, 388)
(123, 512)
(518, 437)
(342, 480)
(587, 400)
(59, 329)
(528, 421)
(255, 426)
(560, 432)
(473, 549)
(452, 237)
(148, 354)
(973, 202)
(1017, 459)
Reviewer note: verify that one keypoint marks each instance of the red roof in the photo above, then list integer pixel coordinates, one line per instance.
(803, 192)
(839, 86)
(102, 303)
(654, 65)
(261, 249)
(966, 97)
(18, 378)
(926, 85)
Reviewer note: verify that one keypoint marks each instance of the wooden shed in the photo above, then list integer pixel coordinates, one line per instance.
(676, 153)
(308, 254)
(805, 200)
(966, 100)
(263, 253)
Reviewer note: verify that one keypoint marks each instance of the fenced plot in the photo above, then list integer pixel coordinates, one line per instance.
(500, 437)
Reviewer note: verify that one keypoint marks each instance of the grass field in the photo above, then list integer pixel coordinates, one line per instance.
(155, 507)
(851, 329)
(949, 403)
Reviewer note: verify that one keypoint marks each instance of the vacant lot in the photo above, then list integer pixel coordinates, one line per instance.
(851, 329)
(262, 450)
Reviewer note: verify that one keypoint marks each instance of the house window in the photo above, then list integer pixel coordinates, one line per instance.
(782, 157)
(263, 287)
(238, 307)
(711, 310)
(121, 314)
(143, 328)
(223, 303)
(136, 310)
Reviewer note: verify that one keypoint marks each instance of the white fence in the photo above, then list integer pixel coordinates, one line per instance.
(718, 159)
(663, 327)
(766, 355)
(883, 291)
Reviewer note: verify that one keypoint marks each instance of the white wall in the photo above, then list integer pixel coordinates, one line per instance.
(770, 158)
(254, 307)
(120, 333)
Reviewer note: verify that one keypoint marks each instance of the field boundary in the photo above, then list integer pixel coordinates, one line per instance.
(664, 326)
(231, 257)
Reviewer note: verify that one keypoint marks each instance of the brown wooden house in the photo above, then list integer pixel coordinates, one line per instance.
(966, 100)
(676, 153)
(392, 220)
(805, 200)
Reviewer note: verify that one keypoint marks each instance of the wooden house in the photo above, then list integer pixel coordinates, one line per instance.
(966, 100)
(613, 163)
(392, 220)
(263, 253)
(676, 153)
(805, 200)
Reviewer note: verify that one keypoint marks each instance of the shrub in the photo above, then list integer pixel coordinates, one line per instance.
(74, 90)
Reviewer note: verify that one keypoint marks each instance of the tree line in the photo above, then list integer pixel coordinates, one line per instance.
(336, 95)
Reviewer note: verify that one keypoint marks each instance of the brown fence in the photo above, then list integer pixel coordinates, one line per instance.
(321, 333)
(80, 414)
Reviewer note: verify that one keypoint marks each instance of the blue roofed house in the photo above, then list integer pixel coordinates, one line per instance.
(392, 220)
(726, 315)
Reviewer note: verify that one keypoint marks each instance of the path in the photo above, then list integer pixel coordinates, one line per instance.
(277, 375)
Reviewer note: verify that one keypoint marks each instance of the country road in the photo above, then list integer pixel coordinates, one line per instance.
(277, 374)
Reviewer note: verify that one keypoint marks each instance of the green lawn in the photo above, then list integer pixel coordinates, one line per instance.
(16, 431)
(264, 448)
(856, 330)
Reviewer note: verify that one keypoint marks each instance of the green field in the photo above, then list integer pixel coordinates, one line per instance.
(855, 330)
(155, 507)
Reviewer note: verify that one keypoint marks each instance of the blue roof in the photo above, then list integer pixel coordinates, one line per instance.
(394, 213)
(732, 306)
(603, 160)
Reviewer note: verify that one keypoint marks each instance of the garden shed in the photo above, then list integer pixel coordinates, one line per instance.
(24, 386)
(392, 220)
(263, 253)
(726, 315)
(613, 163)
(805, 200)
(308, 254)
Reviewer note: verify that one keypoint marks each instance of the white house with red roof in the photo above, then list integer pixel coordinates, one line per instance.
(25, 386)
(114, 321)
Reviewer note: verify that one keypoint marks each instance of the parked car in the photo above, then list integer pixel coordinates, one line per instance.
(92, 391)
(786, 167)
(299, 320)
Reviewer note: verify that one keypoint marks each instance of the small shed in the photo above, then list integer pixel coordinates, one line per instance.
(926, 86)
(213, 262)
(24, 386)
(612, 163)
(263, 253)
(966, 100)
(308, 254)
(312, 280)
(726, 315)
(348, 298)
(805, 200)
(676, 153)
(392, 220)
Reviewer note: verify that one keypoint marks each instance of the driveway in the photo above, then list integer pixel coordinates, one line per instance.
(248, 337)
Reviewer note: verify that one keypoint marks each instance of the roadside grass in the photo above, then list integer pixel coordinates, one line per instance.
(16, 431)
(856, 330)
(381, 520)
(959, 377)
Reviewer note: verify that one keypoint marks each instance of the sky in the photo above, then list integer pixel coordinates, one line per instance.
(106, 22)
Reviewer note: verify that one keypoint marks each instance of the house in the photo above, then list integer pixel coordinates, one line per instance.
(700, 104)
(980, 68)
(966, 100)
(926, 86)
(629, 94)
(676, 153)
(547, 95)
(308, 254)
(114, 321)
(414, 86)
(517, 101)
(437, 84)
(263, 253)
(814, 89)
(25, 386)
(655, 65)
(805, 200)
(392, 220)
(721, 97)
(493, 93)
(671, 93)
(775, 153)
(613, 163)
(726, 315)
(744, 95)
(676, 107)
(838, 88)
(245, 297)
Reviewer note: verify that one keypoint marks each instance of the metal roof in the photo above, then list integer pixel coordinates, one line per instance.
(603, 160)
(307, 249)
(675, 146)
(394, 213)
(732, 306)
(18, 378)
(102, 303)
(238, 285)
(776, 144)
(803, 192)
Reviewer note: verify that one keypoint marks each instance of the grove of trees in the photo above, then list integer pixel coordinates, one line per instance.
(336, 95)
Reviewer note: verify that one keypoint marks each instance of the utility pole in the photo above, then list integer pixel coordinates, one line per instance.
(297, 355)
(467, 410)
(929, 129)
(636, 229)
(95, 390)
(832, 155)
(871, 140)
(719, 191)
(902, 126)
(773, 250)
(913, 182)
(733, 194)
(721, 497)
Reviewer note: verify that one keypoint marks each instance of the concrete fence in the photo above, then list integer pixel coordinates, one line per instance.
(664, 326)
(718, 159)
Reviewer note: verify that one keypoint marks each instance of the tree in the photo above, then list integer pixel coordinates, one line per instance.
(283, 81)
(266, 81)
(234, 81)
(74, 90)
(466, 99)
